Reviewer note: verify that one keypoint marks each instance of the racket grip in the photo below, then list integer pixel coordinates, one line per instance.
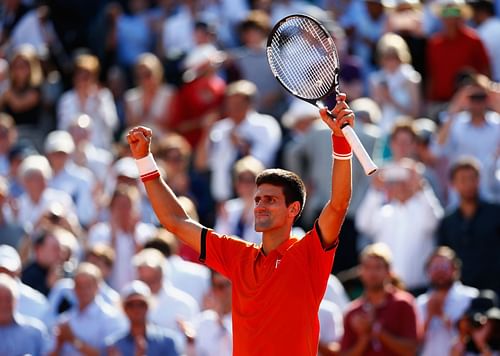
(359, 150)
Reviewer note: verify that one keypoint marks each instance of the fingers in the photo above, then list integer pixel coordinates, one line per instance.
(139, 133)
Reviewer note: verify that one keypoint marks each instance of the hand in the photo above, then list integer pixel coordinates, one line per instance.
(342, 115)
(435, 304)
(64, 333)
(139, 140)
(362, 323)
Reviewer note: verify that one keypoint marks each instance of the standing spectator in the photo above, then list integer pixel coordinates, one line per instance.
(472, 230)
(214, 327)
(444, 304)
(488, 29)
(142, 337)
(8, 137)
(78, 182)
(44, 270)
(453, 49)
(402, 211)
(149, 102)
(396, 86)
(88, 97)
(171, 308)
(11, 232)
(243, 132)
(20, 335)
(471, 128)
(384, 320)
(84, 328)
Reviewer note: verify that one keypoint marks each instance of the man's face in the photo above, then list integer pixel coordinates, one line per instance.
(441, 272)
(151, 276)
(49, 253)
(136, 310)
(466, 183)
(374, 273)
(34, 184)
(6, 306)
(270, 208)
(85, 289)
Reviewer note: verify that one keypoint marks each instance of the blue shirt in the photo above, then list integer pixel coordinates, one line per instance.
(24, 336)
(159, 342)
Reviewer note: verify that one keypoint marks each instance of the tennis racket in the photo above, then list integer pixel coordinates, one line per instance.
(304, 60)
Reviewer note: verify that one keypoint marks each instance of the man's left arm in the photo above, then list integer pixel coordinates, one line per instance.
(333, 214)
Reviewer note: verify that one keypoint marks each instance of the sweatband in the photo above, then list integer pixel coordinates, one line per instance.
(341, 148)
(147, 167)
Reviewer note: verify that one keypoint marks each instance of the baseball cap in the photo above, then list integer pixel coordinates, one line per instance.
(135, 290)
(299, 110)
(59, 141)
(9, 258)
(126, 167)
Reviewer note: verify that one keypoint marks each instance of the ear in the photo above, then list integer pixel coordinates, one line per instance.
(294, 209)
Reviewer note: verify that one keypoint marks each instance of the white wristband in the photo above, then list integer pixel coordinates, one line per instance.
(146, 165)
(342, 157)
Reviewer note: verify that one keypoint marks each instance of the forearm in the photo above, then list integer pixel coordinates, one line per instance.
(359, 348)
(328, 348)
(401, 346)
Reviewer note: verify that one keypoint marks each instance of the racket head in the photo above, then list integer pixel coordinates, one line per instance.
(303, 58)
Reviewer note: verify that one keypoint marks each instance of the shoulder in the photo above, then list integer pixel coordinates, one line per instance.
(403, 298)
(30, 326)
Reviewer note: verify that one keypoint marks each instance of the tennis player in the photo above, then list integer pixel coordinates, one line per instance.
(277, 286)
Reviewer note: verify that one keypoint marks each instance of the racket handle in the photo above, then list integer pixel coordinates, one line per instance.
(359, 150)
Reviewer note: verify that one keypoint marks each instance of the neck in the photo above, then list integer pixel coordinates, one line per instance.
(468, 207)
(477, 118)
(272, 239)
(376, 296)
(138, 329)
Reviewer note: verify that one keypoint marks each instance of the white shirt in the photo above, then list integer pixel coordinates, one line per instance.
(78, 182)
(214, 335)
(125, 248)
(331, 322)
(407, 228)
(158, 109)
(191, 278)
(227, 223)
(336, 293)
(99, 106)
(489, 32)
(30, 212)
(93, 325)
(262, 132)
(439, 339)
(31, 302)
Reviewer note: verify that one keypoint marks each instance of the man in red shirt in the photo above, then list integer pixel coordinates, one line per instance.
(277, 286)
(383, 321)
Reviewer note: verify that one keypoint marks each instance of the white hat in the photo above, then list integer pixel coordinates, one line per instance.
(137, 290)
(126, 167)
(9, 258)
(59, 141)
(35, 163)
(299, 110)
(203, 54)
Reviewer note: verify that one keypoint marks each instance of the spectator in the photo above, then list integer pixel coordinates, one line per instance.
(13, 11)
(84, 328)
(450, 51)
(235, 216)
(444, 304)
(384, 320)
(472, 229)
(170, 305)
(396, 86)
(11, 232)
(42, 272)
(124, 231)
(488, 28)
(29, 302)
(471, 128)
(243, 132)
(20, 335)
(149, 102)
(8, 137)
(78, 182)
(214, 327)
(331, 328)
(402, 211)
(88, 97)
(142, 337)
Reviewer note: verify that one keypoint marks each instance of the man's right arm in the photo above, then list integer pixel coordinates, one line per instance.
(165, 204)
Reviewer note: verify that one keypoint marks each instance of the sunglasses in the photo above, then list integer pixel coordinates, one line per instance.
(478, 96)
(136, 304)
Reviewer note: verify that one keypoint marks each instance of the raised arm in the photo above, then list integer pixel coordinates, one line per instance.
(333, 214)
(165, 203)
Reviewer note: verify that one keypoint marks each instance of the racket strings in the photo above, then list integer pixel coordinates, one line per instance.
(304, 58)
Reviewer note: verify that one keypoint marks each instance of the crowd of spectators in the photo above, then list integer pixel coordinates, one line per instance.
(85, 267)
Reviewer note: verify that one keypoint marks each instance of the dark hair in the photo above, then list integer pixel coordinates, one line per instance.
(464, 163)
(403, 124)
(293, 187)
(483, 5)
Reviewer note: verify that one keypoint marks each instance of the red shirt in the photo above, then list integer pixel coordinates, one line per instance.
(446, 57)
(397, 315)
(275, 297)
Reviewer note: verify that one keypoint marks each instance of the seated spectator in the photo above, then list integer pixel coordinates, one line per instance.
(20, 335)
(45, 268)
(29, 302)
(123, 231)
(214, 327)
(472, 229)
(402, 211)
(84, 328)
(444, 304)
(149, 102)
(235, 216)
(142, 337)
(171, 307)
(479, 327)
(384, 320)
(88, 97)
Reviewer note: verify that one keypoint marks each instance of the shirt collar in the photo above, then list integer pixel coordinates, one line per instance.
(280, 250)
